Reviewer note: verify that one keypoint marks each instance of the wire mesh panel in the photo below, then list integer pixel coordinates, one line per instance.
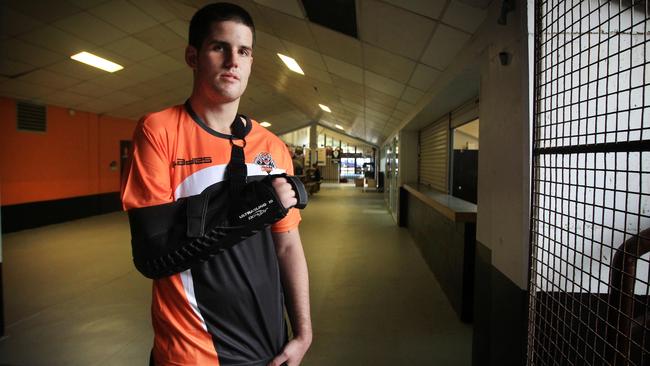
(590, 225)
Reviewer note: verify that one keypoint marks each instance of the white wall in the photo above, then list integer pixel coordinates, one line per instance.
(504, 172)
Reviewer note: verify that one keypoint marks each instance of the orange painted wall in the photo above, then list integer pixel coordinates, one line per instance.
(71, 159)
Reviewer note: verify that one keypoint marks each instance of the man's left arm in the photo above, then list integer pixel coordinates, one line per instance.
(295, 279)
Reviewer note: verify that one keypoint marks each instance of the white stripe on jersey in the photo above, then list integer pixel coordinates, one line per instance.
(188, 286)
(197, 182)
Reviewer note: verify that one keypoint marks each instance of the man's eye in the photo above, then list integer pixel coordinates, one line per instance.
(218, 47)
(245, 52)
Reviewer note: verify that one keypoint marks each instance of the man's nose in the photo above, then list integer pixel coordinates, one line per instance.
(231, 58)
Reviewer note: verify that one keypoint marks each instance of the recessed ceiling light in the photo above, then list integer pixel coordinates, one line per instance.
(325, 108)
(339, 127)
(291, 64)
(96, 61)
(265, 124)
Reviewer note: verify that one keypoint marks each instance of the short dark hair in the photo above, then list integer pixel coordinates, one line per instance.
(216, 12)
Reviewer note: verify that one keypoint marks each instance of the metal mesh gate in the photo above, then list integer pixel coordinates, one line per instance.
(590, 223)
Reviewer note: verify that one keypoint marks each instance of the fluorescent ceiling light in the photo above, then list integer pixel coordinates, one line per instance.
(265, 124)
(339, 127)
(325, 108)
(96, 61)
(291, 64)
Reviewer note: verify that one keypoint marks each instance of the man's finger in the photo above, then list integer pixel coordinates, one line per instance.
(279, 360)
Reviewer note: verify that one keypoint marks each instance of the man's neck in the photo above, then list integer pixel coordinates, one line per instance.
(218, 116)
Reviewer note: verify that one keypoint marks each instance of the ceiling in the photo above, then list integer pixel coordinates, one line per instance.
(371, 84)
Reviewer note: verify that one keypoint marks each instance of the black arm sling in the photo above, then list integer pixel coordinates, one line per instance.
(171, 238)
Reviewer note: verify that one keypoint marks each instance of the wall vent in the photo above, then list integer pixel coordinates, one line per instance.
(31, 117)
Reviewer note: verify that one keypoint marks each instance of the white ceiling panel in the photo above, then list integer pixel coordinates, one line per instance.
(387, 64)
(379, 97)
(90, 28)
(10, 67)
(290, 28)
(463, 16)
(383, 84)
(132, 48)
(317, 73)
(72, 68)
(412, 95)
(172, 80)
(161, 38)
(268, 41)
(13, 23)
(56, 40)
(398, 115)
(180, 27)
(404, 106)
(142, 90)
(337, 45)
(138, 73)
(355, 107)
(290, 7)
(380, 107)
(112, 82)
(182, 9)
(428, 8)
(121, 98)
(443, 47)
(423, 77)
(388, 27)
(155, 8)
(91, 89)
(257, 12)
(22, 51)
(123, 15)
(163, 64)
(67, 99)
(305, 55)
(44, 11)
(375, 116)
(97, 105)
(24, 90)
(87, 4)
(49, 79)
(344, 69)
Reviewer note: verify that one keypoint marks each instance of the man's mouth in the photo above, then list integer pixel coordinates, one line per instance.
(229, 76)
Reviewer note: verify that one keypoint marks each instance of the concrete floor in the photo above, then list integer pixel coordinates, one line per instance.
(72, 296)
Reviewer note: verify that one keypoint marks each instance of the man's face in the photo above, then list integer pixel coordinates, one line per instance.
(223, 64)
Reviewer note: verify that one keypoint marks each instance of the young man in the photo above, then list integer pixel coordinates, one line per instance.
(228, 309)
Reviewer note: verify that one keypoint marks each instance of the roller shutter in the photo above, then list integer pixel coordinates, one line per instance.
(434, 155)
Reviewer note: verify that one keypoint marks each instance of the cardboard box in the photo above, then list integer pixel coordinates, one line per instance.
(371, 182)
(358, 182)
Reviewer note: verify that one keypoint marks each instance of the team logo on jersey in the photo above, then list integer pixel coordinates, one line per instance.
(265, 160)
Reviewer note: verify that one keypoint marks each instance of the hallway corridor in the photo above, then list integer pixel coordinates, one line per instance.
(72, 296)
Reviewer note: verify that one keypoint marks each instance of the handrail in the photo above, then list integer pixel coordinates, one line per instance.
(621, 294)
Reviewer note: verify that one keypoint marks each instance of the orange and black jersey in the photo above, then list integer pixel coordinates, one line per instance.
(227, 310)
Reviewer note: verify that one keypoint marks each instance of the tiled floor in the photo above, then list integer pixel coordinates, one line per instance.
(72, 296)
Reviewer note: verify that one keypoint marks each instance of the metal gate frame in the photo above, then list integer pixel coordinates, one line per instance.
(570, 321)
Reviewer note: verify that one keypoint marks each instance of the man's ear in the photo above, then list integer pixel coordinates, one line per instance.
(191, 55)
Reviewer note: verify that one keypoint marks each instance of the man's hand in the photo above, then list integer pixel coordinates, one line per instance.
(284, 191)
(292, 353)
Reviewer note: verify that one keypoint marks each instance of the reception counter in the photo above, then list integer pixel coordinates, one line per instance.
(444, 228)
